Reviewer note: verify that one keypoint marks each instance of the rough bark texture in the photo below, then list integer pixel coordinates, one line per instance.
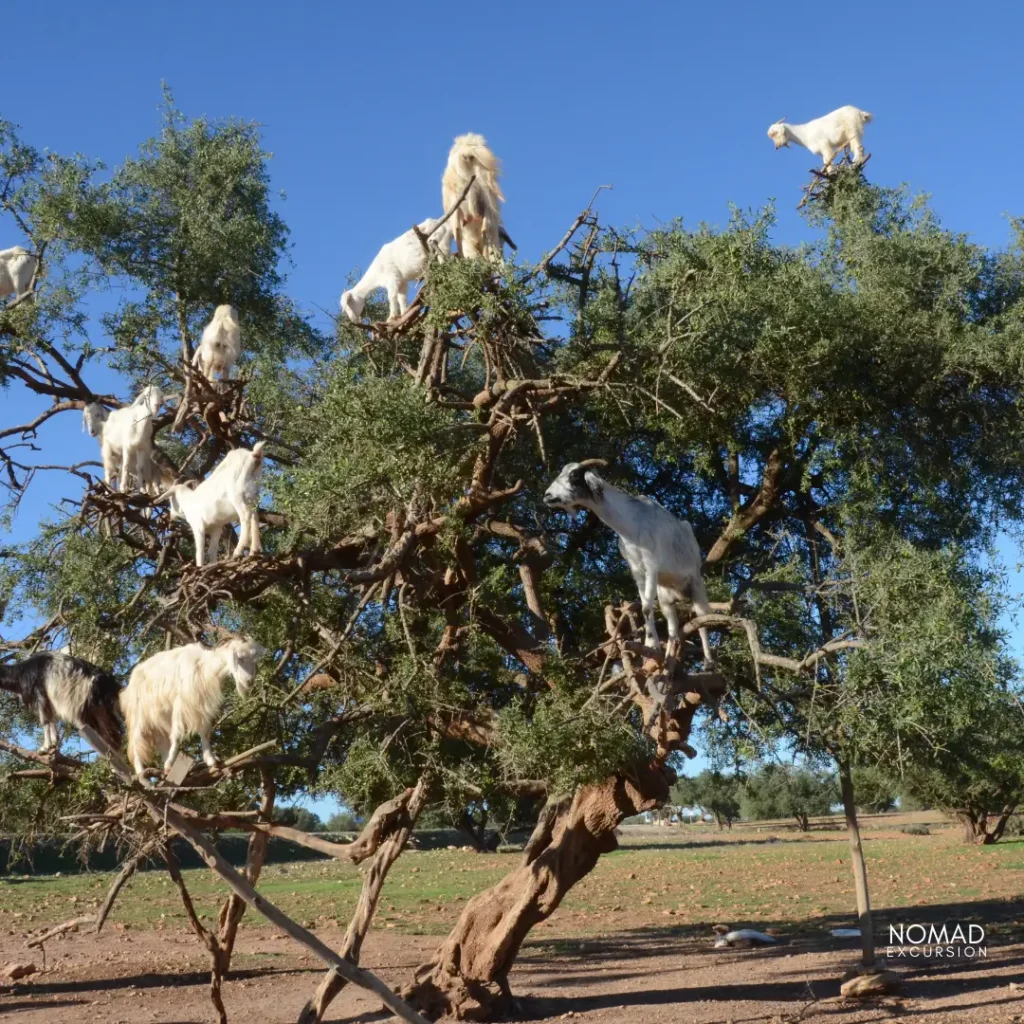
(468, 976)
(387, 847)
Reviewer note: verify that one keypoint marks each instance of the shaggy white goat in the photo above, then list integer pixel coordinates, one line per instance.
(17, 265)
(661, 550)
(478, 230)
(221, 344)
(178, 693)
(827, 136)
(399, 263)
(126, 438)
(230, 494)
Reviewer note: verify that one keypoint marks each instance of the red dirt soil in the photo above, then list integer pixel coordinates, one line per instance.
(645, 975)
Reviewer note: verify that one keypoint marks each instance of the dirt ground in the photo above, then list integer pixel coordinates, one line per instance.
(640, 976)
(609, 954)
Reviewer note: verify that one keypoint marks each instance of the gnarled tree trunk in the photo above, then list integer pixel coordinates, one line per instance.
(468, 976)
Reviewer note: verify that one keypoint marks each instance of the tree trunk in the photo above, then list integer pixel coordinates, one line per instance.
(860, 873)
(391, 845)
(973, 824)
(468, 976)
(233, 908)
(1000, 826)
(803, 822)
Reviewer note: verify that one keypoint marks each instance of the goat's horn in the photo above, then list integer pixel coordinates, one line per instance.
(161, 498)
(780, 120)
(592, 463)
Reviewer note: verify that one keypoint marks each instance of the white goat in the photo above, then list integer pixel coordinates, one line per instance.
(230, 494)
(94, 415)
(478, 230)
(221, 344)
(399, 263)
(661, 550)
(178, 693)
(126, 438)
(826, 136)
(17, 265)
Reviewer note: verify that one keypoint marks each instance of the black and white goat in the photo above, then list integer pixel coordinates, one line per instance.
(661, 550)
(75, 691)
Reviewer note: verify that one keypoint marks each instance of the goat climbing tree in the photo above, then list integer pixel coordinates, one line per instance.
(436, 637)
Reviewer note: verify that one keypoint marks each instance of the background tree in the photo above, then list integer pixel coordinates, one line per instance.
(714, 793)
(786, 791)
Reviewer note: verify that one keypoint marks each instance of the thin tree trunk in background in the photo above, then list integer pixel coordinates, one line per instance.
(860, 873)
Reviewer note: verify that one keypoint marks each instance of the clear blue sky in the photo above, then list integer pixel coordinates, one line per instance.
(668, 102)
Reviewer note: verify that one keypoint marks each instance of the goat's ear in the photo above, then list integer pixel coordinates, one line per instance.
(594, 483)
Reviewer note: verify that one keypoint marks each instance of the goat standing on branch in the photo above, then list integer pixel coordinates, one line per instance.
(230, 494)
(60, 686)
(17, 265)
(826, 136)
(478, 230)
(399, 263)
(221, 344)
(661, 550)
(126, 439)
(178, 693)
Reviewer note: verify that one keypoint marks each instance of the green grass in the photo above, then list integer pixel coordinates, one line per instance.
(662, 882)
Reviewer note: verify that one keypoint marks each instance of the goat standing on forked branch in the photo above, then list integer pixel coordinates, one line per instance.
(230, 494)
(178, 693)
(126, 439)
(71, 689)
(661, 550)
(221, 344)
(826, 136)
(478, 230)
(17, 265)
(399, 262)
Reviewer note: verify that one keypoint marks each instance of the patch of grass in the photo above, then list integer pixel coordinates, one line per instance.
(681, 883)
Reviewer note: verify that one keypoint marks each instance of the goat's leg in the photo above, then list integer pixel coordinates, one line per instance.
(255, 544)
(109, 467)
(213, 545)
(244, 521)
(702, 606)
(177, 731)
(403, 297)
(648, 594)
(857, 149)
(199, 536)
(208, 755)
(127, 458)
(668, 609)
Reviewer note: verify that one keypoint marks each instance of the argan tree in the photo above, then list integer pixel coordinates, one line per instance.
(436, 637)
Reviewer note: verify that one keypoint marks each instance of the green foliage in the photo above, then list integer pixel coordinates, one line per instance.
(782, 791)
(713, 792)
(299, 817)
(874, 789)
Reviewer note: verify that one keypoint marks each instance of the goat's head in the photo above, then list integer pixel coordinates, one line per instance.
(777, 133)
(577, 486)
(94, 416)
(173, 498)
(352, 306)
(151, 398)
(242, 655)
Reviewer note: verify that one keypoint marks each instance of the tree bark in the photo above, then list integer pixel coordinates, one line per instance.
(860, 873)
(233, 908)
(389, 847)
(468, 975)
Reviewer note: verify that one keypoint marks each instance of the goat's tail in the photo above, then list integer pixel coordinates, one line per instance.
(257, 451)
(100, 709)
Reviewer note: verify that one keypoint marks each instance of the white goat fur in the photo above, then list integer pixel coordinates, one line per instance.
(478, 219)
(230, 494)
(221, 344)
(126, 439)
(826, 136)
(17, 265)
(179, 693)
(661, 550)
(399, 262)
